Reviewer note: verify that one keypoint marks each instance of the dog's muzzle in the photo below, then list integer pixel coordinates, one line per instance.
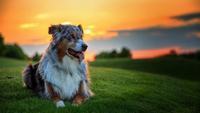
(76, 54)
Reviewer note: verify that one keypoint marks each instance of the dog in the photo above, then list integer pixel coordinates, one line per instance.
(61, 74)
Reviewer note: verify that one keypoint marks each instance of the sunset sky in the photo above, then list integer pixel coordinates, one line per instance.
(147, 27)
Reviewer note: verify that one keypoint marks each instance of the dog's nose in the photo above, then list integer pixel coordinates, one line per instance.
(84, 47)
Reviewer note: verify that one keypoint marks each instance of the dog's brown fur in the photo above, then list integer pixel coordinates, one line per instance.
(53, 95)
(62, 47)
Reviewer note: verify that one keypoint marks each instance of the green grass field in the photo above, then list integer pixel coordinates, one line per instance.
(121, 86)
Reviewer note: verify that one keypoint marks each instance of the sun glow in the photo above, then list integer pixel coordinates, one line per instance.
(66, 23)
(90, 56)
(88, 31)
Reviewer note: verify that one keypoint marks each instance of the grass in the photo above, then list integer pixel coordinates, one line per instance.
(121, 86)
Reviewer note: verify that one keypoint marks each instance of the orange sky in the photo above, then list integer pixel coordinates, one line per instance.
(27, 21)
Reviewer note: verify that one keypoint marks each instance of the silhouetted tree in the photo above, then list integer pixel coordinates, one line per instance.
(1, 44)
(173, 52)
(113, 53)
(125, 53)
(36, 57)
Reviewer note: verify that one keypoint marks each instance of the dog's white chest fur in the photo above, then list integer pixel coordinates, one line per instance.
(66, 79)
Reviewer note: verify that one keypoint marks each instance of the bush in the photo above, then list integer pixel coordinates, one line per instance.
(36, 57)
(14, 51)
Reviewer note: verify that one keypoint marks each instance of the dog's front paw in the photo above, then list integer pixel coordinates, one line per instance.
(60, 103)
(77, 100)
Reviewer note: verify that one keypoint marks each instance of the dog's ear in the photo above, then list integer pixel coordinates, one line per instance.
(54, 28)
(80, 27)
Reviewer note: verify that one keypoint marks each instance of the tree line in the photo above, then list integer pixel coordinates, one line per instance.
(11, 50)
(124, 53)
(195, 55)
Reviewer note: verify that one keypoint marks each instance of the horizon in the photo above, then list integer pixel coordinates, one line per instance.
(143, 27)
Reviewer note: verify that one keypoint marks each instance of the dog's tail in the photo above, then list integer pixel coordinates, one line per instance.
(29, 76)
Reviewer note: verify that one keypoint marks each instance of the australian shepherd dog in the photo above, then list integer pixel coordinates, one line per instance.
(61, 74)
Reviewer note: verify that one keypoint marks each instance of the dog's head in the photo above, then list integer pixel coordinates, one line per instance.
(68, 40)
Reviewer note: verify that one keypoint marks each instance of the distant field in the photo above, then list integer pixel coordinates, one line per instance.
(174, 67)
(120, 85)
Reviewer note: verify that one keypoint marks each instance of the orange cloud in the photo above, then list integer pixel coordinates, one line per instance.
(28, 25)
(42, 16)
(197, 34)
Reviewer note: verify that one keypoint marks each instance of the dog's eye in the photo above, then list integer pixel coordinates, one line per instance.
(69, 39)
(73, 36)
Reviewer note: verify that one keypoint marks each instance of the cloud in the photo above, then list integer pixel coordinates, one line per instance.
(197, 34)
(164, 32)
(151, 38)
(42, 16)
(28, 25)
(188, 17)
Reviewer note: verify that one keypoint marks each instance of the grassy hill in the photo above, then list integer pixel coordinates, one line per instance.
(120, 85)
